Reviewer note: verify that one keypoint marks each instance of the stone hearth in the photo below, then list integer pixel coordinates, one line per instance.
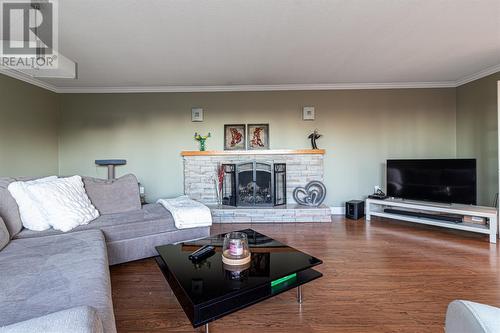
(302, 166)
(281, 214)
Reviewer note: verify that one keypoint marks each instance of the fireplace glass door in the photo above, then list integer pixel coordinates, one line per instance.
(254, 184)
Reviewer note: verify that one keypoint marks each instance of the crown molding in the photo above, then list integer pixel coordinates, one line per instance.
(478, 75)
(276, 87)
(235, 88)
(29, 79)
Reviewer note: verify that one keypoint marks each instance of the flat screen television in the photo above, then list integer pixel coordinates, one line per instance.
(436, 180)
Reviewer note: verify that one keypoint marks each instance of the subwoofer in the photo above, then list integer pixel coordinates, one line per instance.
(355, 209)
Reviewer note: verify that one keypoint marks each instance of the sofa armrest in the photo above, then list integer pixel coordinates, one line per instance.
(470, 317)
(81, 319)
(4, 234)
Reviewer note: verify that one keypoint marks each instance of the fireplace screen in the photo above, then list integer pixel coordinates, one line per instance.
(280, 184)
(255, 184)
(229, 185)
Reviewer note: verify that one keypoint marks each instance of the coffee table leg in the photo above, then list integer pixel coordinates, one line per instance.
(299, 294)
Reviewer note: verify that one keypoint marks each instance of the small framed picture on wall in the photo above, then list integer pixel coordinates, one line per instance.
(258, 136)
(196, 114)
(234, 137)
(308, 113)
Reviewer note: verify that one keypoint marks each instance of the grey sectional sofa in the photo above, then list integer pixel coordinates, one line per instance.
(59, 282)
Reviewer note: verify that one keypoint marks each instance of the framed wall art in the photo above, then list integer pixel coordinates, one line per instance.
(234, 137)
(258, 136)
(308, 113)
(196, 114)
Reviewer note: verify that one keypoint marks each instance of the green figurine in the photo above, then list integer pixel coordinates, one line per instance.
(201, 140)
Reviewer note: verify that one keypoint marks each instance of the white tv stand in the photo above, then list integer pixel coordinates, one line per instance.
(375, 207)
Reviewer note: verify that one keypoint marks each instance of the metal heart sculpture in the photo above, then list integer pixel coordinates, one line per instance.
(313, 194)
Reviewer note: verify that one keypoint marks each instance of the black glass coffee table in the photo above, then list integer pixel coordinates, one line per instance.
(208, 290)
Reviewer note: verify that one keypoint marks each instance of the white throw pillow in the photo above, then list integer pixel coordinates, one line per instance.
(65, 202)
(32, 214)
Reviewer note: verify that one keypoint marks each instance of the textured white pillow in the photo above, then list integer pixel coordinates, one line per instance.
(65, 202)
(32, 214)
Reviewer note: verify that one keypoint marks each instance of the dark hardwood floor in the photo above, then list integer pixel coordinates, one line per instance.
(385, 276)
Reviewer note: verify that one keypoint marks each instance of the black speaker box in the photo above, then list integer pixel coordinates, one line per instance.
(355, 209)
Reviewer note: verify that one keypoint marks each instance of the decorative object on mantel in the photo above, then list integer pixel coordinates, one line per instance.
(219, 181)
(201, 140)
(314, 136)
(258, 136)
(313, 194)
(235, 250)
(234, 137)
(197, 114)
(308, 113)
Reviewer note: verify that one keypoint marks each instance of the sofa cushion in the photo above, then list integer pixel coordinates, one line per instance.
(149, 220)
(4, 234)
(114, 196)
(81, 319)
(9, 210)
(126, 250)
(43, 275)
(32, 215)
(63, 201)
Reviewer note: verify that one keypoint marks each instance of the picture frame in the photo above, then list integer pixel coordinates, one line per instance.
(308, 113)
(257, 136)
(235, 137)
(196, 114)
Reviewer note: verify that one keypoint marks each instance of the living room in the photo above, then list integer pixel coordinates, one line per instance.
(162, 115)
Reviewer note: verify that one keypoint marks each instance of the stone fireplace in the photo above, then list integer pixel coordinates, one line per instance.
(258, 185)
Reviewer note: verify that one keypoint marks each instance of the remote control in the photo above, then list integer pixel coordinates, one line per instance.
(202, 252)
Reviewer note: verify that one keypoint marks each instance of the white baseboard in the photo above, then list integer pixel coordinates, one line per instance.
(337, 210)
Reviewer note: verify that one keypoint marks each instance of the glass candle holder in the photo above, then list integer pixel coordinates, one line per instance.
(235, 250)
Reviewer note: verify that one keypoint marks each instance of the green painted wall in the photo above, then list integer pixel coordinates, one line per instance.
(477, 132)
(28, 129)
(361, 128)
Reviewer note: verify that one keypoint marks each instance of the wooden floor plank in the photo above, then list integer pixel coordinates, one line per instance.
(382, 276)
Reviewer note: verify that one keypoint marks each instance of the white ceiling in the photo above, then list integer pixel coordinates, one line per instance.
(171, 44)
